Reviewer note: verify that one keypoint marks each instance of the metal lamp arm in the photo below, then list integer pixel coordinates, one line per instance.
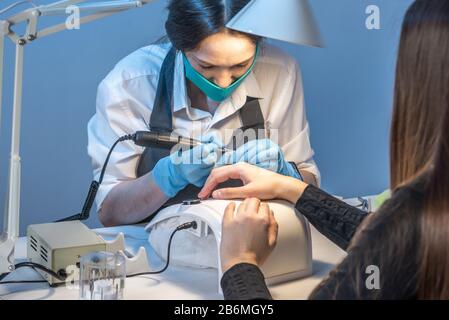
(94, 11)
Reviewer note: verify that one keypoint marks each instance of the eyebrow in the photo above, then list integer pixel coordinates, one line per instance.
(210, 64)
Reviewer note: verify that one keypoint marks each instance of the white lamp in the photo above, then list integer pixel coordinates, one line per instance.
(30, 17)
(285, 20)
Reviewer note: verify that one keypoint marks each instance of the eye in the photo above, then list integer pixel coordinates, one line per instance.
(207, 67)
(240, 66)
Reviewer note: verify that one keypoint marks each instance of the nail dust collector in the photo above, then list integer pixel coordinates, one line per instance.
(291, 259)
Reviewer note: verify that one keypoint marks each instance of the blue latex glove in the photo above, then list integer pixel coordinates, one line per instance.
(173, 173)
(263, 153)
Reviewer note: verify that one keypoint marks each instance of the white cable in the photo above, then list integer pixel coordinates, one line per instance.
(16, 4)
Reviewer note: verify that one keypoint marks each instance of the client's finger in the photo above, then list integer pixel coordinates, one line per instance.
(264, 211)
(232, 193)
(229, 214)
(252, 206)
(217, 176)
(272, 230)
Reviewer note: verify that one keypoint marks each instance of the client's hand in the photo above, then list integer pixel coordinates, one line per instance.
(258, 182)
(248, 235)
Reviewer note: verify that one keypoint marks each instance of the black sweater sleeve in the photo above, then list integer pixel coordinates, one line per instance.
(332, 217)
(244, 281)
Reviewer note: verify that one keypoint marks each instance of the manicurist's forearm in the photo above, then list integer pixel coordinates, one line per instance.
(131, 201)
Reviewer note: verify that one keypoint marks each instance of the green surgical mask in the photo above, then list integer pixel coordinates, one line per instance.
(209, 88)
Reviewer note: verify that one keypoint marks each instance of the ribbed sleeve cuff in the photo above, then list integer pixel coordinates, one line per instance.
(244, 281)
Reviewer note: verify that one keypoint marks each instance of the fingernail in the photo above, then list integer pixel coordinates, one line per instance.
(216, 194)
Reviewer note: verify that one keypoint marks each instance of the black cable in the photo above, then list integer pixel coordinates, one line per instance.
(58, 275)
(62, 276)
(93, 189)
(123, 138)
(3, 275)
(184, 226)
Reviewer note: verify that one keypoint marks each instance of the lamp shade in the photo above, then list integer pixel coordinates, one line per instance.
(285, 20)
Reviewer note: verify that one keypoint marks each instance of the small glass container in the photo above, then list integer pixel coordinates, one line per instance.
(102, 276)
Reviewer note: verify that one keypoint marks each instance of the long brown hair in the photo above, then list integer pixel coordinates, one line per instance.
(409, 235)
(420, 137)
(421, 93)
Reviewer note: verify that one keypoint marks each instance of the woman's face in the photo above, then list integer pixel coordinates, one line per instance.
(223, 57)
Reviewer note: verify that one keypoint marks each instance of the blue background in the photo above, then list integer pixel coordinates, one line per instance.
(348, 89)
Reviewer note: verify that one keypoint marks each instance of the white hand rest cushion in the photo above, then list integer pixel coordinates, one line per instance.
(291, 258)
(187, 249)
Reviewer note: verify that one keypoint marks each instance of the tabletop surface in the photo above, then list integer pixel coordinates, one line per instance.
(177, 283)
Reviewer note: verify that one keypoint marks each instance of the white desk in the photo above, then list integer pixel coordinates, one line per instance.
(176, 283)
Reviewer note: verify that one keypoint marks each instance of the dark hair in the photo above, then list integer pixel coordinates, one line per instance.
(419, 160)
(191, 21)
(419, 140)
(420, 144)
(422, 90)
